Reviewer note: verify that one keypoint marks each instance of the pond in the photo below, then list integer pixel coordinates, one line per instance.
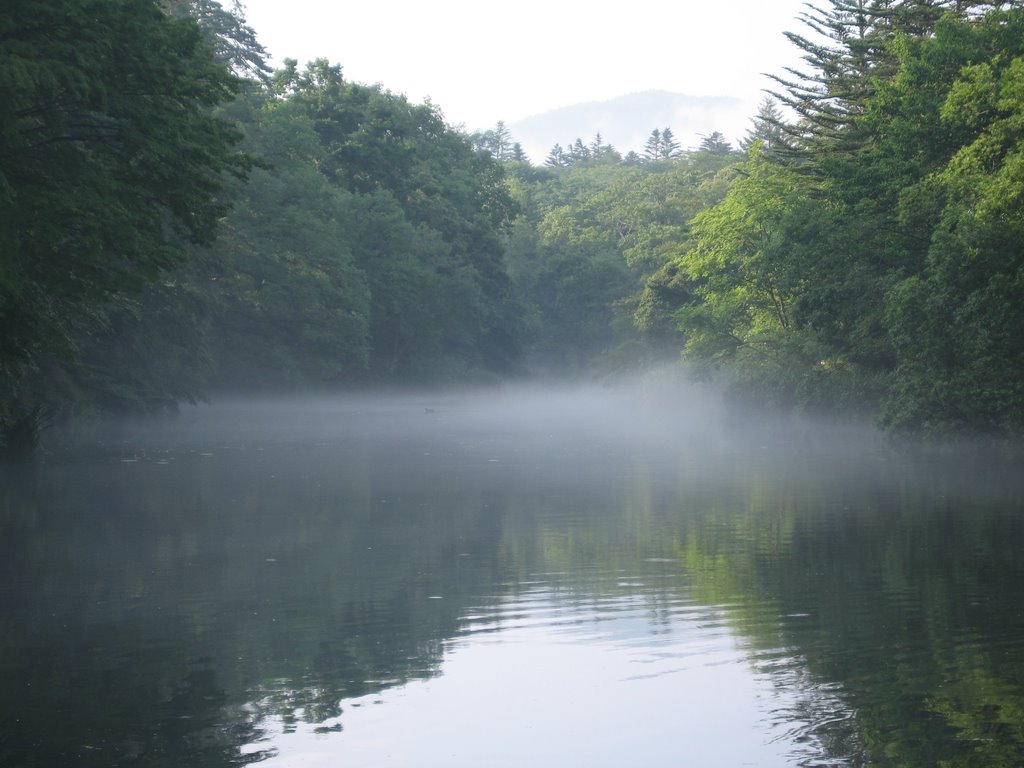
(592, 577)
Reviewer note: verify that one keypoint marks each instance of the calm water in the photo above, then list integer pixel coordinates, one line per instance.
(584, 579)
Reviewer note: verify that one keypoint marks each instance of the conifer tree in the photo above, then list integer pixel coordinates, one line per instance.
(848, 51)
(652, 149)
(767, 127)
(556, 157)
(715, 143)
(496, 141)
(501, 142)
(227, 33)
(669, 145)
(661, 145)
(579, 152)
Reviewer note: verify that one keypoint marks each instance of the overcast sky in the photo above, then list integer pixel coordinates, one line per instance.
(481, 62)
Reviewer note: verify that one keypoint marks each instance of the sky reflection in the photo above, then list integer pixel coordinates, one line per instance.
(619, 587)
(548, 679)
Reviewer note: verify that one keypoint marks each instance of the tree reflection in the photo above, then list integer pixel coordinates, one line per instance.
(171, 610)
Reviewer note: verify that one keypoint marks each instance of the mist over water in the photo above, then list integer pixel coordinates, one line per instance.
(585, 575)
(656, 415)
(640, 411)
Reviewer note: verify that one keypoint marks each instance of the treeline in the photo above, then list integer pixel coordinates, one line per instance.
(660, 145)
(871, 256)
(865, 253)
(590, 235)
(176, 219)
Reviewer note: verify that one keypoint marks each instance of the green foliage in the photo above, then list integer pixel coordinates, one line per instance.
(111, 160)
(292, 303)
(231, 40)
(868, 255)
(498, 142)
(768, 128)
(715, 143)
(590, 235)
(366, 245)
(568, 271)
(578, 153)
(958, 325)
(865, 255)
(746, 276)
(370, 251)
(661, 145)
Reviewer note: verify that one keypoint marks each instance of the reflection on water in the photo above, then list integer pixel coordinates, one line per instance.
(606, 679)
(594, 578)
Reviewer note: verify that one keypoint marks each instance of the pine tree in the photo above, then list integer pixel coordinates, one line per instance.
(556, 157)
(652, 148)
(715, 143)
(661, 145)
(501, 142)
(579, 152)
(227, 34)
(848, 51)
(669, 146)
(768, 127)
(497, 142)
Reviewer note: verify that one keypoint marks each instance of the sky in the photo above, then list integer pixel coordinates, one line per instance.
(482, 62)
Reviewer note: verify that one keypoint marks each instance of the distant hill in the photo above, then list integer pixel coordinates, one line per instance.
(625, 122)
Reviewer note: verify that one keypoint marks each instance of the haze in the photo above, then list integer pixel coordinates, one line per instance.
(572, 435)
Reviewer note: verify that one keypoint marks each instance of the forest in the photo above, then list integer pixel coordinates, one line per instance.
(177, 220)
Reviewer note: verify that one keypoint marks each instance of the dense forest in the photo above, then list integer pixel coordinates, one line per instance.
(178, 220)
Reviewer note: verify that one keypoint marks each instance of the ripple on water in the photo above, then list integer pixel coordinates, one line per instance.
(590, 679)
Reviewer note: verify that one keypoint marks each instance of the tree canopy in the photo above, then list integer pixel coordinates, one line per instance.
(112, 159)
(176, 219)
(895, 244)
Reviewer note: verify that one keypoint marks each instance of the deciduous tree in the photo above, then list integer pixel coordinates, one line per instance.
(111, 159)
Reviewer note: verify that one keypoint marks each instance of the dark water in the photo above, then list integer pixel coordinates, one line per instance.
(585, 579)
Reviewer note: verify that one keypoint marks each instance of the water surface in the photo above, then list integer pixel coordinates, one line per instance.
(591, 578)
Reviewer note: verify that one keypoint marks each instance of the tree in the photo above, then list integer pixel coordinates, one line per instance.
(850, 48)
(715, 143)
(579, 152)
(661, 145)
(652, 147)
(501, 144)
(111, 159)
(231, 40)
(556, 157)
(580, 254)
(872, 258)
(599, 151)
(958, 325)
(292, 307)
(767, 127)
(497, 141)
(669, 145)
(747, 275)
(427, 235)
